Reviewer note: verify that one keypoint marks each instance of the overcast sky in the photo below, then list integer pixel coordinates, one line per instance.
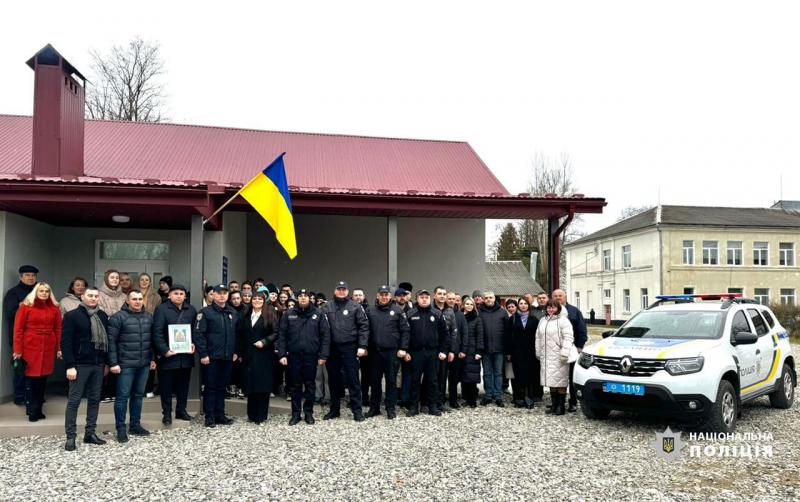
(697, 100)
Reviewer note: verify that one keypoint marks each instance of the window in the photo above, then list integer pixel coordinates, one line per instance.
(606, 260)
(761, 254)
(739, 324)
(736, 290)
(626, 300)
(589, 300)
(758, 322)
(578, 300)
(674, 325)
(645, 299)
(762, 295)
(128, 250)
(607, 294)
(626, 257)
(710, 252)
(688, 252)
(769, 318)
(688, 290)
(787, 254)
(787, 296)
(734, 252)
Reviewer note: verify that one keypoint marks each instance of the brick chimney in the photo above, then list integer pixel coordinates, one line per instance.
(58, 108)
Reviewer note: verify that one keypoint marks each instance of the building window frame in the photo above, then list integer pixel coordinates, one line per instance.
(688, 252)
(626, 301)
(606, 260)
(786, 254)
(761, 295)
(735, 254)
(578, 300)
(626, 256)
(761, 253)
(788, 296)
(711, 253)
(645, 298)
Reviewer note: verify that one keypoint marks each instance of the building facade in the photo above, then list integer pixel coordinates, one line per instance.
(618, 270)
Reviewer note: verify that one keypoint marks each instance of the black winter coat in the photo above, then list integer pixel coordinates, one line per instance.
(304, 331)
(452, 330)
(76, 339)
(388, 327)
(459, 331)
(168, 313)
(494, 324)
(258, 364)
(472, 344)
(428, 330)
(521, 346)
(348, 322)
(215, 332)
(130, 336)
(578, 325)
(11, 301)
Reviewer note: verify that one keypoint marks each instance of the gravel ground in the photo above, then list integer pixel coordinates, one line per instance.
(488, 453)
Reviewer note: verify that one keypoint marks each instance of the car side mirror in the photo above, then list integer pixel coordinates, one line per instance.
(606, 334)
(744, 338)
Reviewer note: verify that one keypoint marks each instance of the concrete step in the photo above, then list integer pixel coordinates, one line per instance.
(14, 422)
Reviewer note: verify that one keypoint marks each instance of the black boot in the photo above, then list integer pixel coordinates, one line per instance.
(93, 439)
(559, 410)
(70, 444)
(553, 403)
(331, 415)
(295, 420)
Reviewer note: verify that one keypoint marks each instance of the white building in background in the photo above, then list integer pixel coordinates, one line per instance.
(618, 270)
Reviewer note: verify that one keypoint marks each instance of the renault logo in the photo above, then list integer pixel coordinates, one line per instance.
(625, 365)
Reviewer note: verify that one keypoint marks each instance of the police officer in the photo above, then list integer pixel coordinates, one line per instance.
(303, 343)
(440, 304)
(388, 344)
(349, 338)
(428, 342)
(215, 339)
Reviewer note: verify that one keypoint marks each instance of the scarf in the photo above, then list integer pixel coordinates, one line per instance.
(523, 316)
(99, 336)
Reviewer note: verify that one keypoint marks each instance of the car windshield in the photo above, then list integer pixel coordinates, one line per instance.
(682, 324)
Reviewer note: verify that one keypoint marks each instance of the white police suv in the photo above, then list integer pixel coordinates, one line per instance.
(692, 358)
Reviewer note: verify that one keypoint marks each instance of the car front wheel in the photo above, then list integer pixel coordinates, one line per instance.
(783, 396)
(724, 411)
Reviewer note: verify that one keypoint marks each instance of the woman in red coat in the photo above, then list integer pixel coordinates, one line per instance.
(37, 336)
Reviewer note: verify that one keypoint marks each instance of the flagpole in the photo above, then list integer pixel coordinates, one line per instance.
(223, 206)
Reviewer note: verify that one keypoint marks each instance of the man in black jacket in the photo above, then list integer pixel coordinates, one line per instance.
(579, 333)
(388, 344)
(456, 366)
(303, 344)
(440, 304)
(84, 347)
(494, 324)
(130, 356)
(428, 341)
(215, 336)
(174, 369)
(349, 337)
(11, 301)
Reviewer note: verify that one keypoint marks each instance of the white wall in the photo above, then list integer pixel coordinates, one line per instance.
(353, 248)
(23, 242)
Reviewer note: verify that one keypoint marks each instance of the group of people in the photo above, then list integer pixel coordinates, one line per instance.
(407, 348)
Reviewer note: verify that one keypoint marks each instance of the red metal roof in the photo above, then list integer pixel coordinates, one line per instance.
(169, 153)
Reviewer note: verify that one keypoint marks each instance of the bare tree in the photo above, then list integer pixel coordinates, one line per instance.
(126, 83)
(632, 211)
(549, 176)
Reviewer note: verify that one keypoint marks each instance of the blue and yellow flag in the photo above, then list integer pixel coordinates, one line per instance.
(268, 193)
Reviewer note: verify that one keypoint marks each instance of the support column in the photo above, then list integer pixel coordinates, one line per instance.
(196, 288)
(391, 251)
(553, 255)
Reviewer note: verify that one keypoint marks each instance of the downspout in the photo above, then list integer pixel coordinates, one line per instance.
(660, 252)
(555, 257)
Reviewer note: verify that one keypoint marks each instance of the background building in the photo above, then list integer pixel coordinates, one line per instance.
(619, 270)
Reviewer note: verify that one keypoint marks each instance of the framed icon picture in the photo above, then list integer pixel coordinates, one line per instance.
(180, 338)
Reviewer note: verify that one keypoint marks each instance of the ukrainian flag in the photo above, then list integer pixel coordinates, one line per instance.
(268, 193)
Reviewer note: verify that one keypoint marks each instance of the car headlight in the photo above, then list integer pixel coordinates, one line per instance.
(586, 360)
(684, 366)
